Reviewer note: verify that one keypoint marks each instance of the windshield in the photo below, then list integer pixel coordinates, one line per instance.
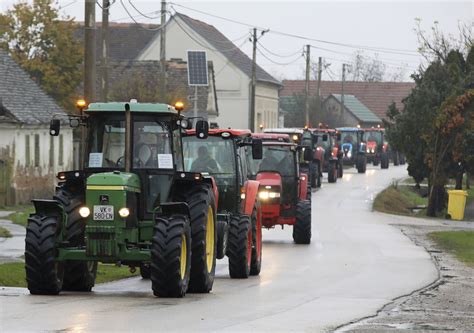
(348, 137)
(373, 136)
(151, 144)
(275, 158)
(214, 155)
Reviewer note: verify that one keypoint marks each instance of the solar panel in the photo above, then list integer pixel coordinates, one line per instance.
(197, 68)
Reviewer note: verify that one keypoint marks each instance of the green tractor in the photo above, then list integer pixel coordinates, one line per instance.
(121, 207)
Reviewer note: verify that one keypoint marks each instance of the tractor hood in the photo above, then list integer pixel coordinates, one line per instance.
(114, 181)
(269, 179)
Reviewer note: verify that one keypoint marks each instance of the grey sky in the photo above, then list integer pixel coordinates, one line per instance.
(381, 24)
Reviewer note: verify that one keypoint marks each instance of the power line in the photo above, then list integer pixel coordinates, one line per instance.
(279, 63)
(133, 19)
(143, 14)
(279, 55)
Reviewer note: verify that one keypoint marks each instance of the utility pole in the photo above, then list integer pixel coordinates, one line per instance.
(163, 52)
(104, 79)
(320, 72)
(306, 90)
(89, 51)
(342, 89)
(254, 81)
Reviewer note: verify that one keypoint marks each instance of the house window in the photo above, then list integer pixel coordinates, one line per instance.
(27, 150)
(51, 151)
(61, 148)
(37, 150)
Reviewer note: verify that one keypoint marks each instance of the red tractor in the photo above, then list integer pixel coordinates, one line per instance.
(282, 188)
(327, 155)
(223, 155)
(377, 148)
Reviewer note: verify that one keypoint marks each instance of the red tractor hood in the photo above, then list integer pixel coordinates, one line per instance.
(269, 178)
(371, 144)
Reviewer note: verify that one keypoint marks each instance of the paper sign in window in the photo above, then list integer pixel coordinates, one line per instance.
(95, 160)
(165, 161)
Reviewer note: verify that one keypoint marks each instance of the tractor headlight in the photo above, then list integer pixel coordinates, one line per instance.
(349, 154)
(84, 212)
(124, 212)
(265, 195)
(368, 150)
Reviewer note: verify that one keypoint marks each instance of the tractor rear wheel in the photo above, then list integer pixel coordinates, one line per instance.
(171, 256)
(361, 163)
(396, 159)
(302, 227)
(340, 170)
(222, 232)
(384, 161)
(44, 275)
(145, 271)
(202, 208)
(239, 247)
(332, 172)
(256, 263)
(78, 275)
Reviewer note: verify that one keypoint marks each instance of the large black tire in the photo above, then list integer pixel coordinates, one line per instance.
(319, 174)
(44, 276)
(396, 159)
(171, 256)
(332, 172)
(313, 174)
(256, 263)
(361, 163)
(340, 170)
(384, 161)
(78, 275)
(376, 161)
(302, 227)
(239, 247)
(145, 271)
(222, 232)
(202, 205)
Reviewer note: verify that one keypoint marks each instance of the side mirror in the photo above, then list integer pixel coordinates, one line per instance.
(308, 154)
(257, 149)
(202, 129)
(325, 137)
(185, 124)
(54, 127)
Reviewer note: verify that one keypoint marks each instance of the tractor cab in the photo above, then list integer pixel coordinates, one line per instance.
(223, 155)
(283, 190)
(130, 195)
(353, 147)
(328, 157)
(377, 148)
(295, 134)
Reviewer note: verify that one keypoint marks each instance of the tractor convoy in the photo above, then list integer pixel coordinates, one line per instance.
(155, 194)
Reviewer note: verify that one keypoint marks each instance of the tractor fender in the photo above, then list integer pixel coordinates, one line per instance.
(211, 181)
(170, 208)
(50, 208)
(303, 186)
(319, 153)
(250, 201)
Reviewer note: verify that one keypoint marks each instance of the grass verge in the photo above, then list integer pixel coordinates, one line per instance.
(21, 214)
(459, 243)
(399, 200)
(13, 274)
(4, 233)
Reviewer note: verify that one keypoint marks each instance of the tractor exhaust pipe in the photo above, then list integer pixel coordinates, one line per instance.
(128, 131)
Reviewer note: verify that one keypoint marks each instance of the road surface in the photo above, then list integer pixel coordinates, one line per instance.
(355, 264)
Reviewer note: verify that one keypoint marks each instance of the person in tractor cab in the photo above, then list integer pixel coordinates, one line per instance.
(269, 162)
(204, 162)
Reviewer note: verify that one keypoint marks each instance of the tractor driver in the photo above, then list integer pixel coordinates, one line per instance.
(204, 162)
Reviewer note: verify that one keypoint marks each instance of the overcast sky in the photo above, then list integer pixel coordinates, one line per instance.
(375, 24)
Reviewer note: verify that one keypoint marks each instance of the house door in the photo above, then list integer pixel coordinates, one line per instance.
(3, 183)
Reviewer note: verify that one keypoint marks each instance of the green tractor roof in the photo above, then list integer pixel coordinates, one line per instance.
(134, 107)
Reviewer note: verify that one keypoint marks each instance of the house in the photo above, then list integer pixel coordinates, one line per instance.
(376, 96)
(232, 71)
(29, 156)
(354, 112)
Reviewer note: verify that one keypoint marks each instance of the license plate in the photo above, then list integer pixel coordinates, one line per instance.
(103, 213)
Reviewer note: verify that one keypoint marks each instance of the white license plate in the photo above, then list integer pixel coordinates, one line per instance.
(103, 213)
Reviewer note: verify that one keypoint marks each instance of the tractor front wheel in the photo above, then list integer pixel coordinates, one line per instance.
(384, 161)
(171, 256)
(361, 163)
(256, 263)
(239, 247)
(202, 208)
(44, 275)
(332, 172)
(302, 227)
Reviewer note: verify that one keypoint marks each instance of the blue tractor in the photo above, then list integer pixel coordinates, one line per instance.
(353, 147)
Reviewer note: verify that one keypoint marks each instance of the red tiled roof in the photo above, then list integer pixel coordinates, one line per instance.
(377, 96)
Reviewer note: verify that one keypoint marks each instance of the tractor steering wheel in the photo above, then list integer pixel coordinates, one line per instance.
(119, 162)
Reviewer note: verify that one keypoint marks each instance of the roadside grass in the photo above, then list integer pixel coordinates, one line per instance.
(399, 200)
(13, 274)
(459, 243)
(4, 233)
(21, 214)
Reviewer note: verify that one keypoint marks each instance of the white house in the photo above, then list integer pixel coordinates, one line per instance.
(29, 156)
(232, 70)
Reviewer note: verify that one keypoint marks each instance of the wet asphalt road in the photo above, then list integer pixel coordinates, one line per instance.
(355, 264)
